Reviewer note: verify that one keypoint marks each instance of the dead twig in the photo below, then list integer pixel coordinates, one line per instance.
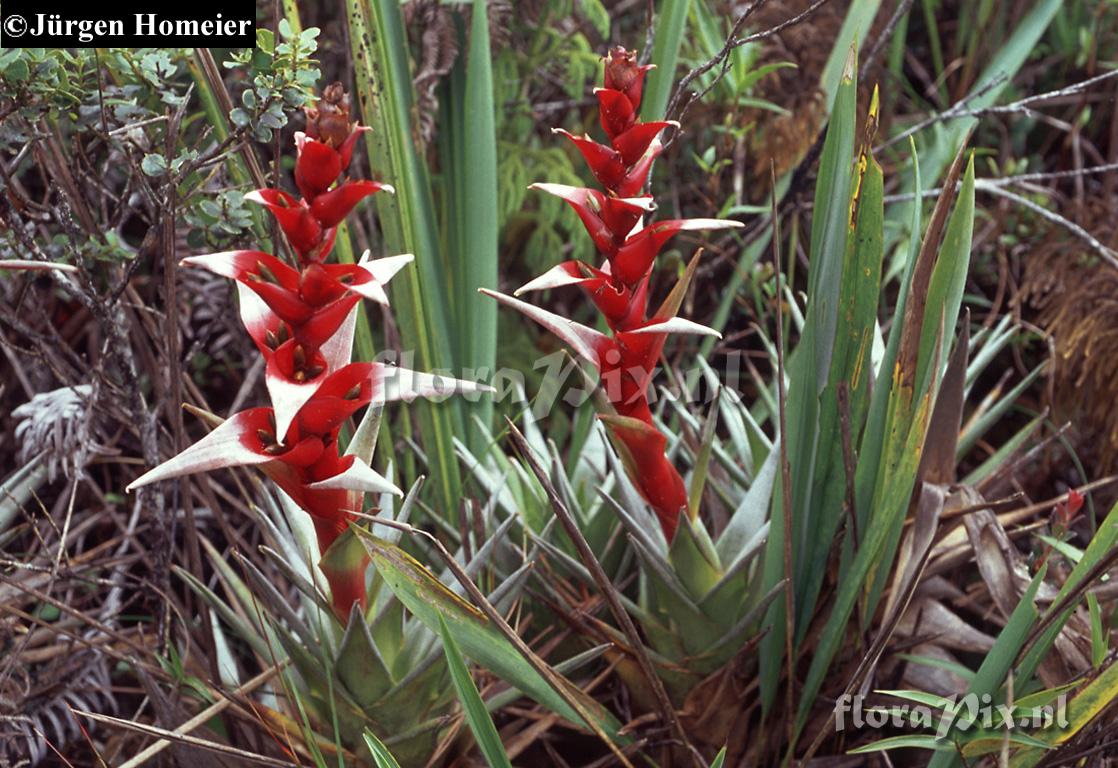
(191, 741)
(1021, 106)
(722, 59)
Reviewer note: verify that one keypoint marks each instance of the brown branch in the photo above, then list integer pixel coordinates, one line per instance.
(722, 58)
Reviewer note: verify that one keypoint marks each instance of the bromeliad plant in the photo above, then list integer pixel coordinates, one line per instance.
(870, 445)
(379, 671)
(302, 319)
(627, 356)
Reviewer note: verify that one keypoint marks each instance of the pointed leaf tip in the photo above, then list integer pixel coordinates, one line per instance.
(851, 65)
(36, 266)
(393, 383)
(358, 476)
(560, 275)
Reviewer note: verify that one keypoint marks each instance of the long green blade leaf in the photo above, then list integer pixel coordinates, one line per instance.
(478, 259)
(384, 91)
(381, 755)
(477, 716)
(670, 24)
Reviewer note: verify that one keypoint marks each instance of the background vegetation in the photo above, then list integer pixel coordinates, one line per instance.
(928, 258)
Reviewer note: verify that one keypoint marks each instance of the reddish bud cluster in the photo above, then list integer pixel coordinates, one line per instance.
(329, 120)
(619, 287)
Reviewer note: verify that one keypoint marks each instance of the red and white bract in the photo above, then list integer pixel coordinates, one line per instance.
(232, 444)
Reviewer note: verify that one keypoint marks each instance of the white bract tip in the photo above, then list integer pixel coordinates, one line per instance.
(678, 325)
(358, 477)
(224, 447)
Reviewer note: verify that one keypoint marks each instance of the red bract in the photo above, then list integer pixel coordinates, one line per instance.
(1067, 510)
(302, 321)
(618, 288)
(322, 157)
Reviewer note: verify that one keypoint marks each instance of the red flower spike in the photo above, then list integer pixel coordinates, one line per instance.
(303, 453)
(273, 281)
(637, 178)
(622, 306)
(325, 322)
(623, 214)
(607, 219)
(369, 276)
(287, 305)
(627, 358)
(634, 143)
(324, 414)
(642, 346)
(246, 266)
(603, 161)
(311, 306)
(318, 287)
(622, 73)
(609, 166)
(292, 374)
(655, 477)
(303, 321)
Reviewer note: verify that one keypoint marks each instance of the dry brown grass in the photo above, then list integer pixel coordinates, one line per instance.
(1076, 300)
